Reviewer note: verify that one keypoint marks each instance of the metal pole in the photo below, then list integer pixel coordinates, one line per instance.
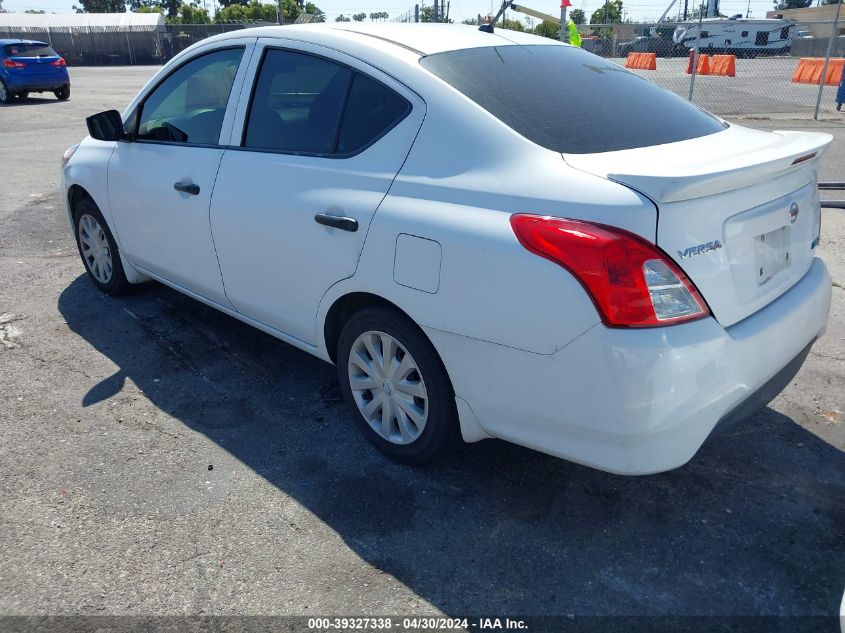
(695, 55)
(416, 13)
(564, 31)
(128, 45)
(827, 60)
(436, 16)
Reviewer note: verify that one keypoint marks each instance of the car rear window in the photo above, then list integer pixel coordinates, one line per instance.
(29, 50)
(568, 100)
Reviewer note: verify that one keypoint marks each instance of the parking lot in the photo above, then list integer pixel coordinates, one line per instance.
(161, 458)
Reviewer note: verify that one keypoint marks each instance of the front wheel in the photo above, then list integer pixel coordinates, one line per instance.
(98, 249)
(397, 386)
(63, 93)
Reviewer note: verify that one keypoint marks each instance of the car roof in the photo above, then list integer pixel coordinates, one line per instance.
(421, 38)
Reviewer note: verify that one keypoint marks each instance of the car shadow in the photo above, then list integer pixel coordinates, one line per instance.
(48, 98)
(755, 524)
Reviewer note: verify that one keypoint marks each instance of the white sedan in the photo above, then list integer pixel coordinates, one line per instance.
(490, 234)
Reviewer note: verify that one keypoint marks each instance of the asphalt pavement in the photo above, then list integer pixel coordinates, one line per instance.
(161, 458)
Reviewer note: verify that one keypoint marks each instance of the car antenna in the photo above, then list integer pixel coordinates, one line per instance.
(488, 27)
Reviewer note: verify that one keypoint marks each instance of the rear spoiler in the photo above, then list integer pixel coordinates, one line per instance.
(704, 166)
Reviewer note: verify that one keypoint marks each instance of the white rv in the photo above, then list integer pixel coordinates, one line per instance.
(744, 37)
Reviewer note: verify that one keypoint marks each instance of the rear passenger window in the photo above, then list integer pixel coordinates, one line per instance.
(297, 103)
(371, 111)
(304, 104)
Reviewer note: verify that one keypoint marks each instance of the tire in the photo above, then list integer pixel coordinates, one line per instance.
(407, 441)
(63, 93)
(6, 95)
(97, 248)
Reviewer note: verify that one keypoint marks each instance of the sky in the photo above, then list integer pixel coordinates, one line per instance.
(639, 10)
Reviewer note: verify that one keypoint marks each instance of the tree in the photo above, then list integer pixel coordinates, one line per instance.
(608, 13)
(427, 15)
(170, 8)
(342, 18)
(359, 17)
(34, 11)
(577, 16)
(191, 14)
(780, 5)
(513, 25)
(548, 29)
(315, 12)
(101, 6)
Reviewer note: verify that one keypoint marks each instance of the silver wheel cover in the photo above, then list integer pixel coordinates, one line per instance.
(96, 251)
(388, 387)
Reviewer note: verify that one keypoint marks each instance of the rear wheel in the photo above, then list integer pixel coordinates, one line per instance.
(396, 385)
(98, 249)
(5, 95)
(63, 93)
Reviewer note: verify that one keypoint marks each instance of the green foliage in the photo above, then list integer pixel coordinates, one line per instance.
(608, 13)
(342, 18)
(170, 8)
(379, 15)
(577, 16)
(101, 6)
(513, 25)
(780, 5)
(191, 14)
(359, 17)
(315, 11)
(256, 11)
(548, 29)
(427, 15)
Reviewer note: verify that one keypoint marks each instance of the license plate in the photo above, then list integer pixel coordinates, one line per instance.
(772, 253)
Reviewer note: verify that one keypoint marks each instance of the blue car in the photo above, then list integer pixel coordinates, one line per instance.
(28, 66)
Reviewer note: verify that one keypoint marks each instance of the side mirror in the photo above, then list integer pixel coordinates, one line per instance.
(106, 126)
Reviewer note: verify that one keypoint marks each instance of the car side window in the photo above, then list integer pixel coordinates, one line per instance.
(296, 103)
(188, 107)
(372, 109)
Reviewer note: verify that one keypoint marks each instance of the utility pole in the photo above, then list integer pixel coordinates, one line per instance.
(416, 13)
(436, 12)
(564, 29)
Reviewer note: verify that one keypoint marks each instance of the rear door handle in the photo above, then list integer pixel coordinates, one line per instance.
(336, 221)
(187, 187)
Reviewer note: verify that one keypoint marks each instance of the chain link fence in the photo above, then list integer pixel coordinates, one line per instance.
(120, 45)
(762, 87)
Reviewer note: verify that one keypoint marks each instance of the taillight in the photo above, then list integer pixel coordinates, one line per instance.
(11, 63)
(59, 62)
(631, 282)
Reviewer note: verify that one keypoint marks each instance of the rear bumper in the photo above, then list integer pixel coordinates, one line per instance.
(639, 401)
(34, 83)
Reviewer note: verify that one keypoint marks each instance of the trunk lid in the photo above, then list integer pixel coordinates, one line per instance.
(738, 211)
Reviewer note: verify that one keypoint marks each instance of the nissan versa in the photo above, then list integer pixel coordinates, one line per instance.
(490, 234)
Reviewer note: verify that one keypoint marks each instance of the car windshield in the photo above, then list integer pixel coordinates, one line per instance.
(32, 49)
(568, 100)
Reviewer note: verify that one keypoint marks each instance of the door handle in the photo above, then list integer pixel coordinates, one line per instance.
(336, 221)
(187, 187)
